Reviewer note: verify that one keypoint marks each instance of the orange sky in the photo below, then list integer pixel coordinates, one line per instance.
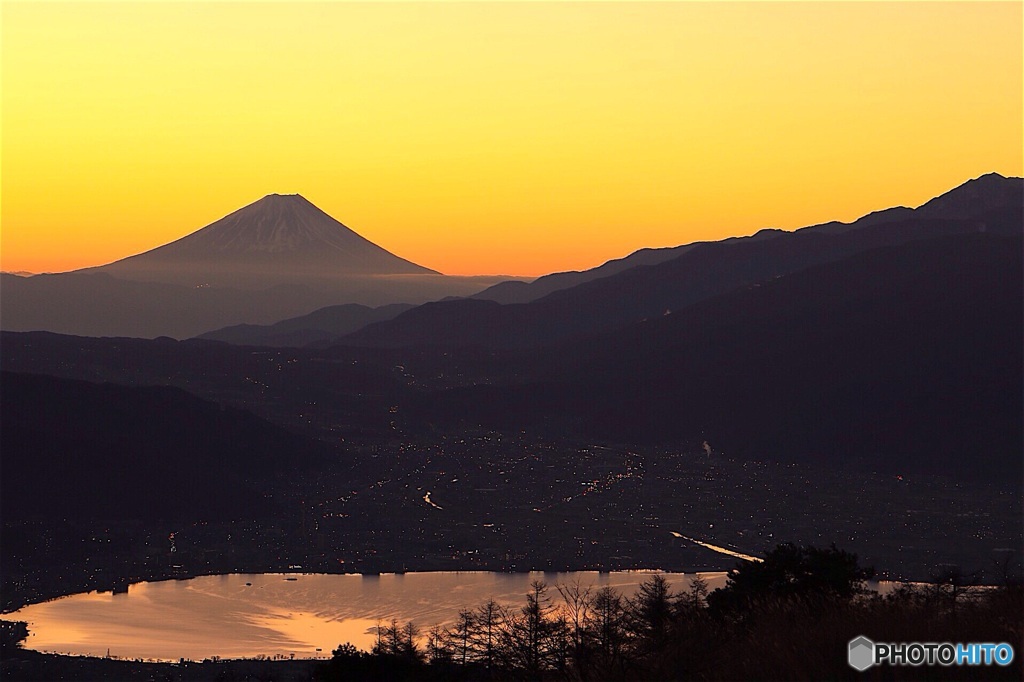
(517, 138)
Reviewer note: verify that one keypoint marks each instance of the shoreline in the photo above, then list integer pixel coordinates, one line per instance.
(15, 603)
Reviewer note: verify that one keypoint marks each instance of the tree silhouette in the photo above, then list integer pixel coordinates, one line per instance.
(490, 619)
(789, 571)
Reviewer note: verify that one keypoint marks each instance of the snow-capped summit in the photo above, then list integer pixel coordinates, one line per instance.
(278, 236)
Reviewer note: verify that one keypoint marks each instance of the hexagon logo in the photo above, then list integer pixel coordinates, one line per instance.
(861, 653)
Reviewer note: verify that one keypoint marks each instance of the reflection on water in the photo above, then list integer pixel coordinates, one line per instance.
(241, 616)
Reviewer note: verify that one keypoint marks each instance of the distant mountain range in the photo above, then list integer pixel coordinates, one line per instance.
(615, 296)
(276, 258)
(524, 292)
(989, 192)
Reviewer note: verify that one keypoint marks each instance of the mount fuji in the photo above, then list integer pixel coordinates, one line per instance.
(279, 239)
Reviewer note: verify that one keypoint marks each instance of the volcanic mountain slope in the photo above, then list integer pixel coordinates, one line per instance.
(991, 204)
(281, 237)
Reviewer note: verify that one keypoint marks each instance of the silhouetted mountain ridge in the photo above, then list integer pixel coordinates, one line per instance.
(991, 190)
(699, 272)
(524, 292)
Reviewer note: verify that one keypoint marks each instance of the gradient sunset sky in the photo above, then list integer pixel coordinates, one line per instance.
(515, 138)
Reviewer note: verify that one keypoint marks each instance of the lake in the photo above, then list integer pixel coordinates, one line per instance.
(300, 615)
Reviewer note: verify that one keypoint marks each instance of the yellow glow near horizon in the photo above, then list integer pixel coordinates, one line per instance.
(517, 138)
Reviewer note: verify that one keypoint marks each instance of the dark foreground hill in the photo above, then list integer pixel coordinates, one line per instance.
(74, 449)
